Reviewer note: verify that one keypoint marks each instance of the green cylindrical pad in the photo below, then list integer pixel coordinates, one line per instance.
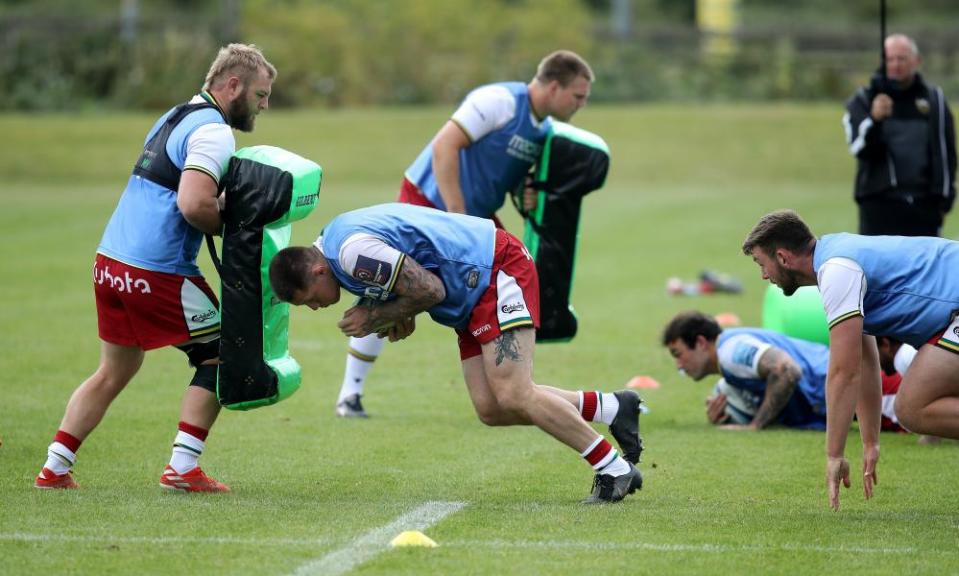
(800, 315)
(266, 189)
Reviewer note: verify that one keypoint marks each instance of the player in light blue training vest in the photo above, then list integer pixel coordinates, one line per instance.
(484, 151)
(480, 280)
(903, 288)
(784, 378)
(149, 291)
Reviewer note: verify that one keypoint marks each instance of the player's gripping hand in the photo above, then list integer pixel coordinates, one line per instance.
(356, 322)
(716, 409)
(399, 330)
(837, 470)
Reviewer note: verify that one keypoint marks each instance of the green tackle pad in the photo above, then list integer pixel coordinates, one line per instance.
(267, 188)
(573, 164)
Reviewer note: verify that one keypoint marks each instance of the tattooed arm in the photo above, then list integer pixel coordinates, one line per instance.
(782, 374)
(416, 290)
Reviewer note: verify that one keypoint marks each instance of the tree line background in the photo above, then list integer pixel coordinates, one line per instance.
(129, 54)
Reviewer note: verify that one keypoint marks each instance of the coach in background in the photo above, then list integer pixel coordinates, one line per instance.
(783, 378)
(149, 290)
(901, 132)
(896, 286)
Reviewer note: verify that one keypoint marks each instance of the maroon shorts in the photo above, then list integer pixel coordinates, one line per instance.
(137, 307)
(510, 301)
(410, 194)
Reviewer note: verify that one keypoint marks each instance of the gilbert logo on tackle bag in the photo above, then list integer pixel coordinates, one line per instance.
(574, 163)
(266, 189)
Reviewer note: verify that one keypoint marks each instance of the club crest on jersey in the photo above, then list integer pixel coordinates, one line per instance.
(922, 105)
(472, 279)
(372, 270)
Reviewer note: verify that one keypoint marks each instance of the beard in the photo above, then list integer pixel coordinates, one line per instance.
(789, 282)
(239, 115)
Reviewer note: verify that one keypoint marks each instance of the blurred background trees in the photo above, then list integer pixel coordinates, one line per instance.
(65, 55)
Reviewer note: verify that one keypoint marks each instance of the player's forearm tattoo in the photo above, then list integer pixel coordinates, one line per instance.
(416, 289)
(782, 376)
(507, 347)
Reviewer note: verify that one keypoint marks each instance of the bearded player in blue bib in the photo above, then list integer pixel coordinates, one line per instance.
(900, 287)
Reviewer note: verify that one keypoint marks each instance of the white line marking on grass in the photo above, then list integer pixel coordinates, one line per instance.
(678, 547)
(162, 540)
(375, 541)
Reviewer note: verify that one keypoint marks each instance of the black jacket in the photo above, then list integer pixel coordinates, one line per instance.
(876, 172)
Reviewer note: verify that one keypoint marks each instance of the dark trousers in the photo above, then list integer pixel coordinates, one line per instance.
(897, 217)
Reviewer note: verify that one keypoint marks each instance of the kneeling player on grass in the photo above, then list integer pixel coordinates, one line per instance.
(481, 281)
(896, 286)
(786, 376)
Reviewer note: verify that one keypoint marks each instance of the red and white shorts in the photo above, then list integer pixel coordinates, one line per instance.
(510, 301)
(137, 307)
(410, 194)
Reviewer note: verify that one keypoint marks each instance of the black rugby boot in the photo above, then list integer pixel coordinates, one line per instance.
(625, 426)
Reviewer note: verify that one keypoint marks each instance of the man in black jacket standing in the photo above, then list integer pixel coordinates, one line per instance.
(902, 134)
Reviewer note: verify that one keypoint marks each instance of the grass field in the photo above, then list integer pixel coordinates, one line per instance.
(313, 494)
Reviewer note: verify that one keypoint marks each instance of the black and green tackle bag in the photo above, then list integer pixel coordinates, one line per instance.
(573, 164)
(267, 188)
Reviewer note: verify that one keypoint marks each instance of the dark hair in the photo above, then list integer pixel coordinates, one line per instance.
(564, 67)
(687, 326)
(779, 229)
(290, 270)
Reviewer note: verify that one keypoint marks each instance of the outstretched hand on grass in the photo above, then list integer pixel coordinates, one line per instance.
(837, 470)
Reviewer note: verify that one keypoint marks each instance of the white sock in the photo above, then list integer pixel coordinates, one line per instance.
(602, 407)
(608, 407)
(617, 467)
(59, 459)
(607, 459)
(359, 359)
(186, 450)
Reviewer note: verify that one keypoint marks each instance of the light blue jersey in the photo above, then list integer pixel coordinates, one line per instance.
(494, 164)
(739, 350)
(147, 229)
(912, 285)
(457, 248)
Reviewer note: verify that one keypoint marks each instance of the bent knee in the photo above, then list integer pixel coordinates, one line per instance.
(908, 413)
(491, 415)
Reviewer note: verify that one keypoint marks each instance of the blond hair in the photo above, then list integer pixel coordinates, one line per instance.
(243, 60)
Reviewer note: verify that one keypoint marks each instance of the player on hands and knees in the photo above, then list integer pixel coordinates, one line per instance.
(786, 376)
(901, 287)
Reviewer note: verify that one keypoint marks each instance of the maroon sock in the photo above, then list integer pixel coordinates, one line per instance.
(68, 440)
(195, 431)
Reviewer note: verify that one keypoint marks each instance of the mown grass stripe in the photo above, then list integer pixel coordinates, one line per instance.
(376, 541)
